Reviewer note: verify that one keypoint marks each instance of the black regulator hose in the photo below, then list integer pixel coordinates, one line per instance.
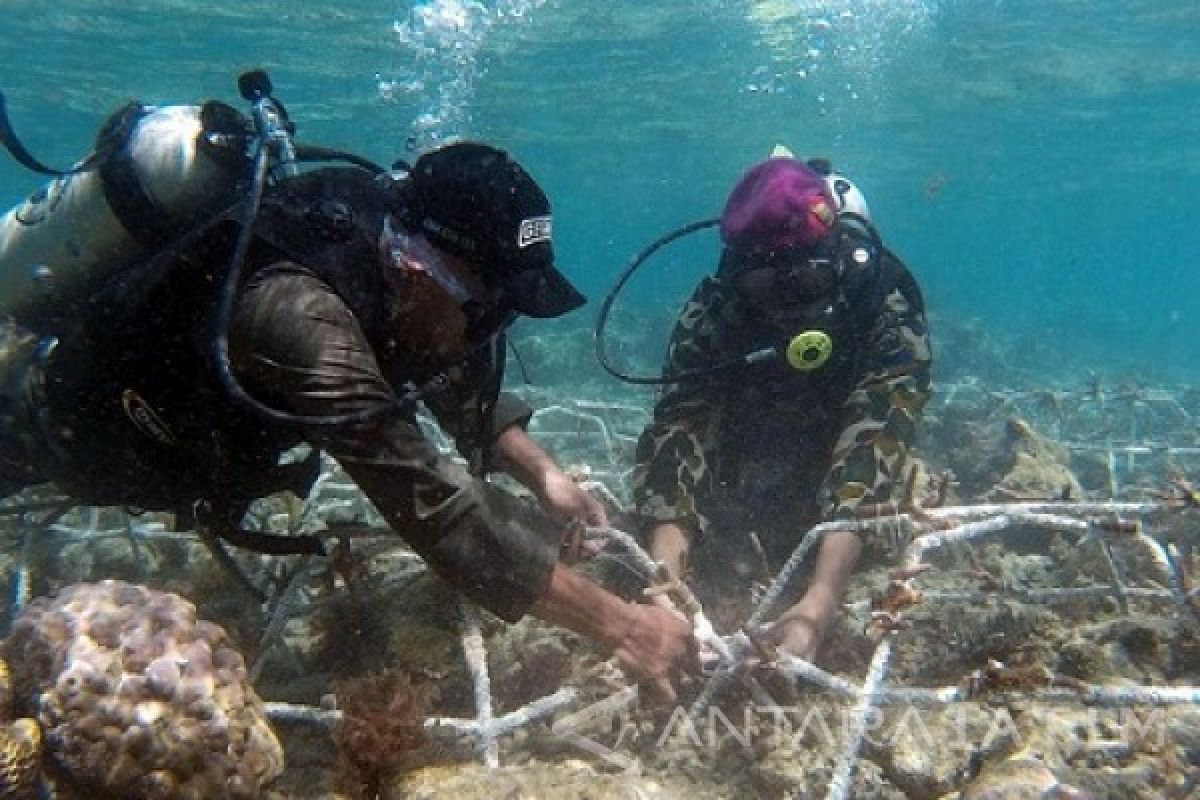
(606, 309)
(312, 152)
(611, 297)
(110, 142)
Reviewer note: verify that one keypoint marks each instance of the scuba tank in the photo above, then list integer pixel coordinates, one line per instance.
(155, 176)
(155, 172)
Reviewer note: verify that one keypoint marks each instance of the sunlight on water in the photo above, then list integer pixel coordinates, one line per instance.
(806, 38)
(440, 44)
(1036, 163)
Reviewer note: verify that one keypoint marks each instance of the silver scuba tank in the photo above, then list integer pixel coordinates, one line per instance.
(68, 233)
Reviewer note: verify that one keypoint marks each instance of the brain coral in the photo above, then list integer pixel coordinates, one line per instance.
(137, 697)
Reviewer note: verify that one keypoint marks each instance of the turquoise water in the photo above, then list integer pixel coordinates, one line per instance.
(1037, 164)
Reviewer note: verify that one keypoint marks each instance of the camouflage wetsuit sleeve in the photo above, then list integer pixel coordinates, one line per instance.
(879, 416)
(672, 471)
(296, 343)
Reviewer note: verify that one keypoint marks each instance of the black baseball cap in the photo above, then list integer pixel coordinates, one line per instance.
(474, 201)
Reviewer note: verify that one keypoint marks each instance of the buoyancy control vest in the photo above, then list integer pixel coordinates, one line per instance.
(155, 173)
(867, 273)
(132, 384)
(795, 417)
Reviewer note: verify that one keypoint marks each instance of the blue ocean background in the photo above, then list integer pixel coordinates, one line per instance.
(1036, 164)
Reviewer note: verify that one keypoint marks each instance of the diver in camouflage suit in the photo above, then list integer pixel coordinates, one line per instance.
(773, 445)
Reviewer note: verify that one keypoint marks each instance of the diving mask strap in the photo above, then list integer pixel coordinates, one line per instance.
(410, 251)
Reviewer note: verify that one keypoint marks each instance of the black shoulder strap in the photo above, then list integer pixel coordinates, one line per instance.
(491, 358)
(871, 290)
(124, 193)
(329, 220)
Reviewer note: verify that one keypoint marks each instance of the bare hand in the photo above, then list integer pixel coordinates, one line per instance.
(574, 545)
(802, 628)
(656, 643)
(564, 497)
(798, 636)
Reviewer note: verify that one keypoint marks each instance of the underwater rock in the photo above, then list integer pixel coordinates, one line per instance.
(1037, 468)
(1183, 728)
(1136, 648)
(945, 646)
(1124, 753)
(426, 631)
(396, 614)
(1094, 471)
(927, 753)
(569, 780)
(531, 659)
(1021, 778)
(787, 767)
(999, 462)
(868, 783)
(970, 453)
(137, 697)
